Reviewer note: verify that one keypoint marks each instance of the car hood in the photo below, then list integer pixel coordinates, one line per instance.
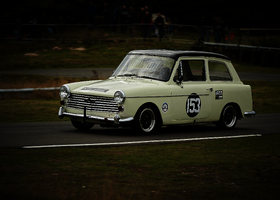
(130, 86)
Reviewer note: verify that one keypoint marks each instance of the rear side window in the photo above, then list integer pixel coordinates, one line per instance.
(218, 71)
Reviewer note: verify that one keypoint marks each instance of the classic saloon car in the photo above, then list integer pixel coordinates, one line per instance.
(155, 88)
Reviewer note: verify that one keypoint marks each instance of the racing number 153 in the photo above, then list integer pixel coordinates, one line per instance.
(193, 105)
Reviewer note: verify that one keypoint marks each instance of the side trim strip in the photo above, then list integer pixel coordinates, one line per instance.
(166, 96)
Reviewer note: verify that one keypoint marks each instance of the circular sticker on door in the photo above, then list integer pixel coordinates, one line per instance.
(193, 105)
(164, 107)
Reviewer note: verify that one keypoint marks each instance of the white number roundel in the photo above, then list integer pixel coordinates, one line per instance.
(193, 105)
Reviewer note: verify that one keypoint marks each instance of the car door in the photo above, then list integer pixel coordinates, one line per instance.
(221, 81)
(192, 96)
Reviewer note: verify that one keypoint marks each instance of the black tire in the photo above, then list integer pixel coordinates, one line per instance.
(81, 126)
(147, 120)
(228, 118)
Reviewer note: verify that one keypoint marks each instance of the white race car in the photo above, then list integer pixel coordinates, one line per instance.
(155, 88)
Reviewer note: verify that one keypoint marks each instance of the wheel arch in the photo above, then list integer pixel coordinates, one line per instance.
(237, 108)
(152, 106)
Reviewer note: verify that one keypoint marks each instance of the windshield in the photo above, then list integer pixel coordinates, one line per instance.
(144, 66)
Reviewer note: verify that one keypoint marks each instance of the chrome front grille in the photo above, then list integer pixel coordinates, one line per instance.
(92, 103)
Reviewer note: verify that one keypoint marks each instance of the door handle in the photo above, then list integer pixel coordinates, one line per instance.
(211, 89)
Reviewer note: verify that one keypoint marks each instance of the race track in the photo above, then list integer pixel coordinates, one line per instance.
(62, 134)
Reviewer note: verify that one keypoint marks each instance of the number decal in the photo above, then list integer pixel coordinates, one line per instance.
(193, 105)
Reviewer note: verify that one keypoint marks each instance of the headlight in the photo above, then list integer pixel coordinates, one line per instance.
(64, 91)
(119, 97)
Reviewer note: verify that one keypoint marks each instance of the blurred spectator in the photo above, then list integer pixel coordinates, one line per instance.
(146, 25)
(124, 15)
(91, 13)
(219, 30)
(203, 29)
(159, 23)
(106, 13)
(141, 15)
(131, 15)
(115, 17)
(132, 20)
(123, 18)
(17, 31)
(34, 29)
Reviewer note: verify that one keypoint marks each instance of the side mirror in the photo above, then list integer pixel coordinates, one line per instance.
(178, 79)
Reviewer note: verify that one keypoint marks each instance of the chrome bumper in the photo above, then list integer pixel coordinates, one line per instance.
(117, 119)
(249, 114)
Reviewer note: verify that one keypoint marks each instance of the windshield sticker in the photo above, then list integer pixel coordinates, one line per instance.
(164, 107)
(219, 94)
(193, 105)
(95, 89)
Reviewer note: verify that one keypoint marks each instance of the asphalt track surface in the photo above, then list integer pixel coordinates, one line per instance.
(62, 134)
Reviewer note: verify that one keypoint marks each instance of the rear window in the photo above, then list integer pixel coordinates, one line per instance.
(218, 71)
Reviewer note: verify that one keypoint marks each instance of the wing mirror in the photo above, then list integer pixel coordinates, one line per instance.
(178, 79)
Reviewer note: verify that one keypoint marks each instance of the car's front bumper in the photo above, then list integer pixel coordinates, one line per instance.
(117, 120)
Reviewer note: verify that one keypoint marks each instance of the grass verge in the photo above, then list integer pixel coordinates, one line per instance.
(29, 110)
(40, 55)
(266, 96)
(16, 81)
(245, 168)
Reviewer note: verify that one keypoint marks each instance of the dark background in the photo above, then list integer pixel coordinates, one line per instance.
(237, 14)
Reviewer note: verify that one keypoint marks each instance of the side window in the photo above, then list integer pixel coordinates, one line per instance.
(193, 70)
(218, 71)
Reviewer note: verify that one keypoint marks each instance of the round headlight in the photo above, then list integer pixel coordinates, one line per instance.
(119, 97)
(64, 91)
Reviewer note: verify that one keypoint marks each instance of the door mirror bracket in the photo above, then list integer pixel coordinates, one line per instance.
(179, 79)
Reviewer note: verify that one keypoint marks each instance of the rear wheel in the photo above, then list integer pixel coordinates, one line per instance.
(147, 120)
(81, 126)
(228, 118)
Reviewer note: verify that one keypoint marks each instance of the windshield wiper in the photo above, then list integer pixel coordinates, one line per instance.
(144, 77)
(128, 75)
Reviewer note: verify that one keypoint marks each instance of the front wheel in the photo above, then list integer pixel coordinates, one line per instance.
(147, 121)
(81, 126)
(228, 117)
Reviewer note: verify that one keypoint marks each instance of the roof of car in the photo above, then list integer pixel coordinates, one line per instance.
(176, 53)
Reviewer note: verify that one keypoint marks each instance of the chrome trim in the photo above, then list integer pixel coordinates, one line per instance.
(92, 103)
(249, 114)
(60, 112)
(129, 119)
(185, 95)
(122, 96)
(67, 89)
(117, 119)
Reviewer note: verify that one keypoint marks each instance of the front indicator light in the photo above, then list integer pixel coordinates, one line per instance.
(120, 108)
